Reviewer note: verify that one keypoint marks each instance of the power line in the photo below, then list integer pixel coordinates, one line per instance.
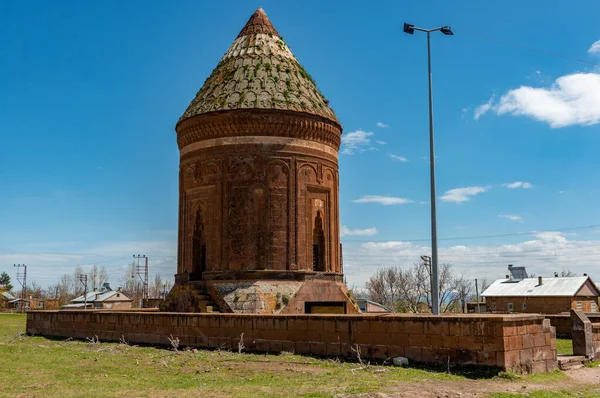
(528, 48)
(523, 233)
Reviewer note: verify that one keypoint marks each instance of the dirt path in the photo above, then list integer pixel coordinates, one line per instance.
(579, 378)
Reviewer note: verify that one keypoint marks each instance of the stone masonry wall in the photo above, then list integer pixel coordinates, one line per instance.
(596, 334)
(562, 322)
(522, 343)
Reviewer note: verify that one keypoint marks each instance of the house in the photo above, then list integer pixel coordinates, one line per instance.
(6, 300)
(368, 306)
(103, 299)
(519, 293)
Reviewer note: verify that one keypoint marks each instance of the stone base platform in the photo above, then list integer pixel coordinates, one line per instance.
(521, 343)
(262, 292)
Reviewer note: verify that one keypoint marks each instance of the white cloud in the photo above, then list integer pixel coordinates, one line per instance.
(345, 231)
(543, 254)
(483, 109)
(356, 141)
(384, 200)
(462, 194)
(518, 184)
(47, 262)
(572, 100)
(595, 48)
(511, 217)
(381, 142)
(425, 202)
(382, 125)
(400, 158)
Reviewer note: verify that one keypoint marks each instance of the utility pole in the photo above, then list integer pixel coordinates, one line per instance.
(22, 278)
(427, 261)
(477, 294)
(142, 273)
(164, 291)
(83, 280)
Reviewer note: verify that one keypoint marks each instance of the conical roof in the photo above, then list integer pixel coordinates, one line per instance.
(259, 72)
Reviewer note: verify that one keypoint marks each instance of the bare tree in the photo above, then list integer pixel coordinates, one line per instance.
(409, 290)
(567, 273)
(35, 290)
(97, 276)
(156, 288)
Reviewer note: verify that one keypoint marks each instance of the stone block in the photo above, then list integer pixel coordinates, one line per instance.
(302, 347)
(334, 349)
(399, 339)
(395, 351)
(318, 348)
(526, 356)
(261, 345)
(487, 358)
(414, 353)
(419, 340)
(396, 326)
(379, 352)
(414, 327)
(436, 340)
(361, 326)
(450, 341)
(528, 340)
(454, 329)
(437, 327)
(513, 343)
(329, 325)
(315, 325)
(511, 359)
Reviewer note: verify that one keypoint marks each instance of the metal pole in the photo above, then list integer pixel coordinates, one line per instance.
(477, 295)
(435, 294)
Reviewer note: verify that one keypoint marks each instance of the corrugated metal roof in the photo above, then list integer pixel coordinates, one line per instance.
(95, 297)
(8, 296)
(531, 287)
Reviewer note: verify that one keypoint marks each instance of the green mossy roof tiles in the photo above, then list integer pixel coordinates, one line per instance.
(259, 72)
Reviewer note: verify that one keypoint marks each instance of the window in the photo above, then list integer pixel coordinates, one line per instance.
(579, 305)
(594, 307)
(524, 306)
(41, 304)
(510, 307)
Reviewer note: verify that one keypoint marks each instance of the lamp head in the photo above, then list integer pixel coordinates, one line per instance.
(408, 28)
(446, 30)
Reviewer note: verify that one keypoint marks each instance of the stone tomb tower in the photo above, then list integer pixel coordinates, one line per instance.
(258, 186)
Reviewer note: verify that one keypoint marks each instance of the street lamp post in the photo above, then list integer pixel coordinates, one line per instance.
(435, 294)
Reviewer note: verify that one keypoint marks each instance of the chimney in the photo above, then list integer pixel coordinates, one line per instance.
(510, 266)
(540, 280)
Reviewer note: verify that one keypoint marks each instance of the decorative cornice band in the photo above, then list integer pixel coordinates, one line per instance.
(240, 123)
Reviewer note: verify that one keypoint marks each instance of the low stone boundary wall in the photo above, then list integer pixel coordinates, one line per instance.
(522, 343)
(562, 322)
(596, 338)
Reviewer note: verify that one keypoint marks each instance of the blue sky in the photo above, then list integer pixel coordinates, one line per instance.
(92, 92)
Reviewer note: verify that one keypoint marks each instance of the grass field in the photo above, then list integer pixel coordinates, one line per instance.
(564, 346)
(36, 366)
